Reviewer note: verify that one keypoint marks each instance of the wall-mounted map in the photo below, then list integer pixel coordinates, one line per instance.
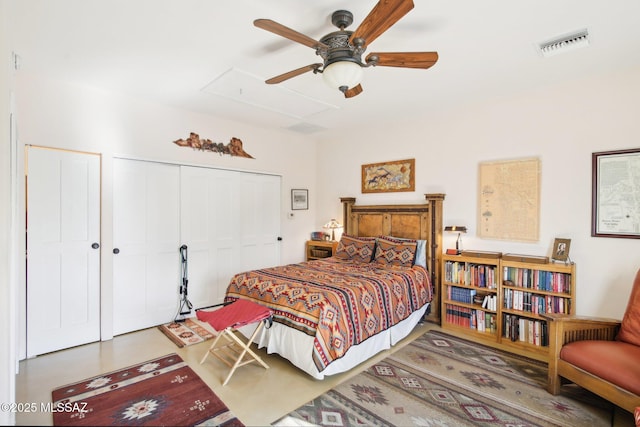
(616, 194)
(509, 200)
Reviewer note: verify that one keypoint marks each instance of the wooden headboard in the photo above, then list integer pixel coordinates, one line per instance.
(416, 221)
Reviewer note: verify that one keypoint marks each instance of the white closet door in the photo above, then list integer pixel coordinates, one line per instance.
(230, 222)
(146, 267)
(259, 226)
(63, 255)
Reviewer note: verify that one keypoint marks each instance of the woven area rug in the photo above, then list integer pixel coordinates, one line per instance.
(185, 333)
(164, 391)
(440, 380)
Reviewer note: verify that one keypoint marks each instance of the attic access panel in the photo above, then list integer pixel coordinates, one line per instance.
(246, 88)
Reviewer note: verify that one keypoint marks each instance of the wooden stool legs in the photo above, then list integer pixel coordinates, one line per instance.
(233, 352)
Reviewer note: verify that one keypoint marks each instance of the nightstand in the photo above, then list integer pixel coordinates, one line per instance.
(317, 249)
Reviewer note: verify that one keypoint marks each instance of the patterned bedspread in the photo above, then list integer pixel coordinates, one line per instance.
(340, 303)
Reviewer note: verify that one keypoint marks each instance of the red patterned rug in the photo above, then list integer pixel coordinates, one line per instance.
(185, 333)
(164, 391)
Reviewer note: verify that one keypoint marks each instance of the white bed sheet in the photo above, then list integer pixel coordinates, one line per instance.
(297, 346)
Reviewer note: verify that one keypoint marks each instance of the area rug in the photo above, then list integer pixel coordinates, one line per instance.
(440, 380)
(185, 333)
(159, 392)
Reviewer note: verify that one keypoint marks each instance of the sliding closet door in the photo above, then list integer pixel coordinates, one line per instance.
(207, 230)
(146, 236)
(230, 222)
(63, 249)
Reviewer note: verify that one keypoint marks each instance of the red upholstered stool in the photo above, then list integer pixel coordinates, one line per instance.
(232, 350)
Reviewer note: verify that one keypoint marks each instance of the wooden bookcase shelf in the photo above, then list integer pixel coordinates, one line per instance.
(470, 295)
(498, 302)
(317, 249)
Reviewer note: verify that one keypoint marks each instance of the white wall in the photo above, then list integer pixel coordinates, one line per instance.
(561, 125)
(64, 115)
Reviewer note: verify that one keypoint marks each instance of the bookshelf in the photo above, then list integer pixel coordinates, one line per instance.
(530, 290)
(500, 302)
(470, 295)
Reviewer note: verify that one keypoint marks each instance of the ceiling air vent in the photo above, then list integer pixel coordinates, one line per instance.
(564, 43)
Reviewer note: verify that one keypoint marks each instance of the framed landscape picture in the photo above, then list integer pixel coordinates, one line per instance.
(299, 199)
(386, 177)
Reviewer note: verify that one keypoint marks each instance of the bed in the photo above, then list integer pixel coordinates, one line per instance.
(332, 314)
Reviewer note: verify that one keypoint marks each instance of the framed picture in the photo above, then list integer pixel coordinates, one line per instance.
(561, 249)
(496, 201)
(387, 177)
(299, 199)
(615, 187)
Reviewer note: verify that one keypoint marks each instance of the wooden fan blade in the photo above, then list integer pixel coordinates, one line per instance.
(403, 59)
(354, 91)
(281, 30)
(382, 16)
(293, 73)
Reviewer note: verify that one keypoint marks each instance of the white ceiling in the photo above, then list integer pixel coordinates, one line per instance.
(171, 51)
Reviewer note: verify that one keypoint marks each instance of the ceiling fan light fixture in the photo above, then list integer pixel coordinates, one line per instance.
(341, 74)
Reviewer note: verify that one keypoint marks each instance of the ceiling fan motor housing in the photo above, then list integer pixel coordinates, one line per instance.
(339, 48)
(342, 18)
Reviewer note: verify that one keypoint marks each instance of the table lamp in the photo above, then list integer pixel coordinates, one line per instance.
(456, 229)
(332, 225)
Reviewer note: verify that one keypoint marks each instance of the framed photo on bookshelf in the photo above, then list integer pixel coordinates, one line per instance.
(561, 249)
(299, 199)
(614, 206)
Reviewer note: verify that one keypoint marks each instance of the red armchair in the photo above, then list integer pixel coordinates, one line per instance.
(600, 355)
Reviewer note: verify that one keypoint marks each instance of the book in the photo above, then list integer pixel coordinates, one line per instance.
(526, 258)
(482, 254)
(479, 298)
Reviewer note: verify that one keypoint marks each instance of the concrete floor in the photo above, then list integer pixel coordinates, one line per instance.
(257, 396)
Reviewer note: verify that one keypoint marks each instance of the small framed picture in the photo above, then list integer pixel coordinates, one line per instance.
(561, 249)
(299, 199)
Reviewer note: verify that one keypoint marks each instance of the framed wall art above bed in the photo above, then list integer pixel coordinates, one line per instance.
(386, 177)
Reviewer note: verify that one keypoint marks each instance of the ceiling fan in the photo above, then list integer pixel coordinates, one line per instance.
(342, 50)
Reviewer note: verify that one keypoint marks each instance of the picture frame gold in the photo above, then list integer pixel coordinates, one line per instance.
(561, 249)
(387, 177)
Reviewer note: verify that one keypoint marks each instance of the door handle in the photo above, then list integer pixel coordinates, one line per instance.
(279, 239)
(95, 245)
(116, 251)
